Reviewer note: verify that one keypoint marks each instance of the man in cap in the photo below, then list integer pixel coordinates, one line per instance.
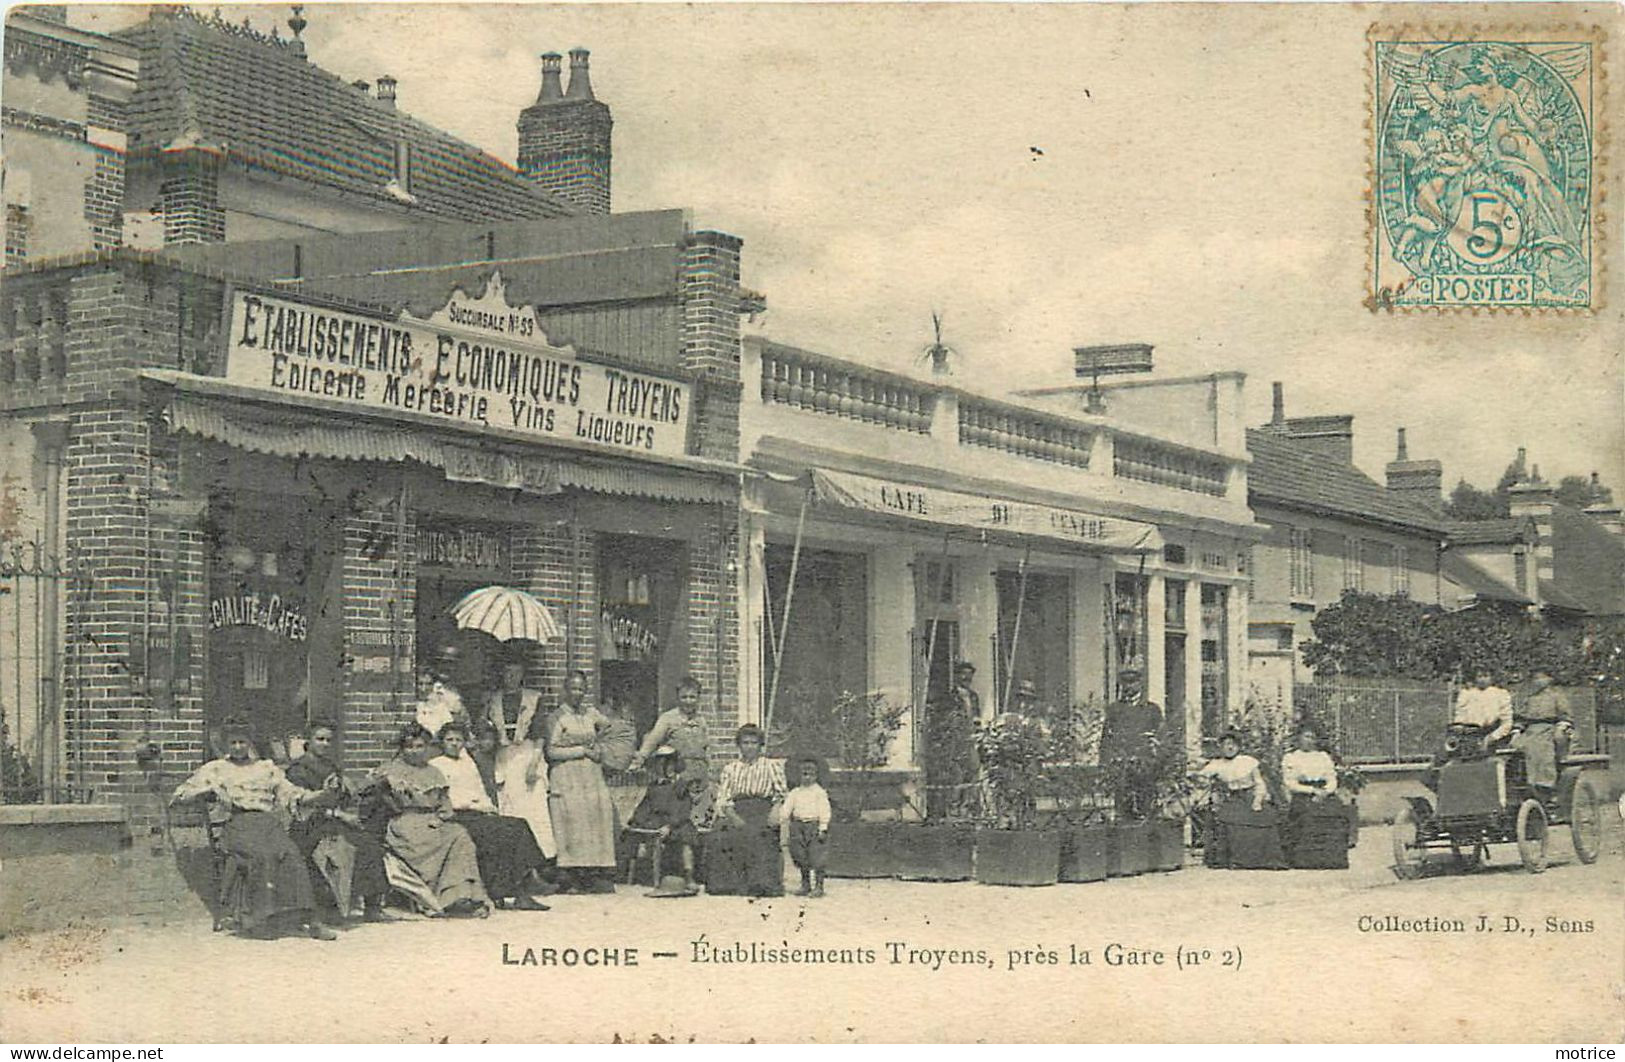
(1542, 728)
(1128, 735)
(951, 764)
(265, 888)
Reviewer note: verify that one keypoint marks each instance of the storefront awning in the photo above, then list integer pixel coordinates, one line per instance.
(933, 505)
(294, 435)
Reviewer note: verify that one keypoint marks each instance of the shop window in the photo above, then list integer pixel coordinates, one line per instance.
(1128, 629)
(269, 586)
(823, 646)
(1174, 596)
(1174, 604)
(642, 627)
(453, 559)
(1034, 636)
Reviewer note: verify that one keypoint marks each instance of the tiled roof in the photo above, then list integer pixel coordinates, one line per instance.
(1489, 532)
(257, 100)
(1478, 582)
(1588, 564)
(1295, 476)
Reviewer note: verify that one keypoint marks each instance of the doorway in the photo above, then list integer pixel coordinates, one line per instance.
(642, 626)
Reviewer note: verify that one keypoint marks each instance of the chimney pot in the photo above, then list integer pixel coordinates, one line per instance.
(386, 89)
(552, 89)
(580, 79)
(1401, 455)
(364, 87)
(1278, 400)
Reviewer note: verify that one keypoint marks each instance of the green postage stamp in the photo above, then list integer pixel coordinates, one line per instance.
(1484, 168)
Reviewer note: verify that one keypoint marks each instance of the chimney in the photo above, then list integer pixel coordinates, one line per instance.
(1278, 403)
(564, 138)
(1608, 515)
(1532, 499)
(580, 79)
(551, 88)
(386, 90)
(1332, 434)
(363, 87)
(1419, 481)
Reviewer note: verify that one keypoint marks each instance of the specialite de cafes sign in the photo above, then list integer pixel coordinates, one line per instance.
(476, 364)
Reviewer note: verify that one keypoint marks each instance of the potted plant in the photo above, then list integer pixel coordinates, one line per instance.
(855, 730)
(939, 848)
(1011, 848)
(1078, 788)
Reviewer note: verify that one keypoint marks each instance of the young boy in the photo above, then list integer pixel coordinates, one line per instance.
(668, 809)
(806, 819)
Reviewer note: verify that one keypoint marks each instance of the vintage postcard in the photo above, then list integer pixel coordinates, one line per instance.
(811, 523)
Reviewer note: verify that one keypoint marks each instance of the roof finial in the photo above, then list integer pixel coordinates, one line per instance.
(297, 23)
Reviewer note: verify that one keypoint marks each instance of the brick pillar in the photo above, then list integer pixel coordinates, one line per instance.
(106, 128)
(713, 623)
(708, 287)
(558, 563)
(190, 198)
(379, 580)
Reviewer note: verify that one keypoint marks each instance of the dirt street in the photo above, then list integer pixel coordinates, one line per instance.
(1290, 955)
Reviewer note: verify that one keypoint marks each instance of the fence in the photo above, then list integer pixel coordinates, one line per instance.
(34, 584)
(1397, 724)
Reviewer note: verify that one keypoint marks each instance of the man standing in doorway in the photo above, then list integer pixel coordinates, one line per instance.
(951, 765)
(1128, 738)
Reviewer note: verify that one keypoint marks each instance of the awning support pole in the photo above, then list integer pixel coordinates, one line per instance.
(784, 626)
(1015, 634)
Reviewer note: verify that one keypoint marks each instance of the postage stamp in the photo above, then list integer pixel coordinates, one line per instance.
(1484, 163)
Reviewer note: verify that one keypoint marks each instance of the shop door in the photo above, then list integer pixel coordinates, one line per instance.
(643, 627)
(271, 596)
(453, 559)
(1173, 670)
(1035, 637)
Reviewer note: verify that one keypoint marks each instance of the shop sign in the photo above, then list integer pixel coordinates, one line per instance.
(477, 365)
(467, 548)
(934, 505)
(268, 612)
(376, 668)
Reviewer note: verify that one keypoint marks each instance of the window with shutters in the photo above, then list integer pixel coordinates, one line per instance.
(1302, 564)
(1402, 570)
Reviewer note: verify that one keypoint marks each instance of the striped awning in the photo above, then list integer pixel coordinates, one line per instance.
(303, 435)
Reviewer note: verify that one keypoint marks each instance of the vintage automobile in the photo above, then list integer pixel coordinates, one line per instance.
(1484, 797)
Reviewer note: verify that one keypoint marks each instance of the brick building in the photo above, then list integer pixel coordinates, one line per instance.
(267, 448)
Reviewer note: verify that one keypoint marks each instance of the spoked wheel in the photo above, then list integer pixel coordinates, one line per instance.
(1585, 820)
(1532, 836)
(1409, 854)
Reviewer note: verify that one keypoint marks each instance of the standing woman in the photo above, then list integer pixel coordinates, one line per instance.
(522, 784)
(583, 819)
(427, 856)
(1245, 834)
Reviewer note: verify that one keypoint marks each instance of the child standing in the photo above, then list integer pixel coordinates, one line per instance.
(806, 820)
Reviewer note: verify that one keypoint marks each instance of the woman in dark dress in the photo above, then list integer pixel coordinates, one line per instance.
(1246, 833)
(742, 855)
(345, 858)
(1317, 826)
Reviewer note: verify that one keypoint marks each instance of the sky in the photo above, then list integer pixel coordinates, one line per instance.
(1045, 176)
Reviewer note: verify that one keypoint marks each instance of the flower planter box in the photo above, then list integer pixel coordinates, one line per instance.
(862, 849)
(1018, 857)
(929, 852)
(1167, 848)
(1085, 851)
(1129, 849)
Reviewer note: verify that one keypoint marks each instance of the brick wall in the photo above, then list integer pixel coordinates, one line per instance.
(18, 224)
(104, 200)
(713, 628)
(189, 197)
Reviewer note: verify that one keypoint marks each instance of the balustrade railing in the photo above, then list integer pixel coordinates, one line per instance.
(1149, 463)
(1000, 427)
(864, 395)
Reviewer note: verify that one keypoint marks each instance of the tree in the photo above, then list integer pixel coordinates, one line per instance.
(1366, 634)
(1580, 492)
(1467, 502)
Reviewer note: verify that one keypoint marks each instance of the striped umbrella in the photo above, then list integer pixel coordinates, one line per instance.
(505, 614)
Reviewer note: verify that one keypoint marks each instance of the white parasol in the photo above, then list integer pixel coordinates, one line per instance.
(505, 614)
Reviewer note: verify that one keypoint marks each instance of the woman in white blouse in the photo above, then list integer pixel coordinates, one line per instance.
(1244, 834)
(1317, 831)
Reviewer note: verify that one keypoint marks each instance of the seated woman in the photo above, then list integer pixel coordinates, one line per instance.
(1317, 828)
(265, 888)
(506, 850)
(346, 860)
(1245, 835)
(427, 856)
(742, 855)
